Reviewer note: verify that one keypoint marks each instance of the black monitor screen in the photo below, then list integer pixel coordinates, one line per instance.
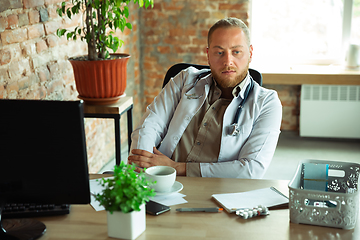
(43, 152)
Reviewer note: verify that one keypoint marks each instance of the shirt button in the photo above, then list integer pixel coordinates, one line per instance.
(187, 118)
(176, 138)
(205, 124)
(198, 143)
(213, 108)
(216, 93)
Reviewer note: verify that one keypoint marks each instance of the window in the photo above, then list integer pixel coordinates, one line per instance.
(304, 32)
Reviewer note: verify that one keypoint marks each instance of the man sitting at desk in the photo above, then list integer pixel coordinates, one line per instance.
(193, 120)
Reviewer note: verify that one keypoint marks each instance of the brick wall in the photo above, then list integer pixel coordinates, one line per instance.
(33, 64)
(290, 99)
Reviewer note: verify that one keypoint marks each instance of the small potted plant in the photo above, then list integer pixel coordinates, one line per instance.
(124, 197)
(94, 78)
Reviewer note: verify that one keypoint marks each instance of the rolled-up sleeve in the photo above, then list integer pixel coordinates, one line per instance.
(193, 170)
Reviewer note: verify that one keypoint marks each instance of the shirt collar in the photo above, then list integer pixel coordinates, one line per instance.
(237, 89)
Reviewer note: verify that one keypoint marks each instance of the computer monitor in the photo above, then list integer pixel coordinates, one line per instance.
(43, 152)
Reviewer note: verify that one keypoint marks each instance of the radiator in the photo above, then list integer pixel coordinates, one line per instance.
(331, 111)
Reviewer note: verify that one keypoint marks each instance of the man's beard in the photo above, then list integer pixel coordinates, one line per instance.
(225, 83)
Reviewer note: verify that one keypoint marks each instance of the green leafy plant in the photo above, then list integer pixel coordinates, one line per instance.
(126, 191)
(100, 16)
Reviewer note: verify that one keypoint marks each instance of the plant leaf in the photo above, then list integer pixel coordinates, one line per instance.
(60, 32)
(129, 25)
(126, 11)
(62, 9)
(127, 191)
(107, 54)
(68, 12)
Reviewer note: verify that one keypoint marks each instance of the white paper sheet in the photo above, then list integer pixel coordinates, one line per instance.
(169, 200)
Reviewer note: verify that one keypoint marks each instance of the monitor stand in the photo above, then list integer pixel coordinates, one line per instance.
(20, 229)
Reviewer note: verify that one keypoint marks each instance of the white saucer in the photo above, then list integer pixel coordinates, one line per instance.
(177, 187)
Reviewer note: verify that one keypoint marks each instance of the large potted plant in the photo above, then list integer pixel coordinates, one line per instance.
(124, 197)
(100, 77)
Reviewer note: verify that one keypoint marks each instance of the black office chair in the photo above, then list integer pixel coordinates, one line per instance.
(175, 69)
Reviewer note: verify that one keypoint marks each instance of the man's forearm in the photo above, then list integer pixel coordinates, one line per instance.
(180, 168)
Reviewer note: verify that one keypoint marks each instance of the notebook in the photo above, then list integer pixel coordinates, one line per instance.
(269, 197)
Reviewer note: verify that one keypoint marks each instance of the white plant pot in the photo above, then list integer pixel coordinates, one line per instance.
(126, 225)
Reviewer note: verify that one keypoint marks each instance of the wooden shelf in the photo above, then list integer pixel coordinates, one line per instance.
(298, 75)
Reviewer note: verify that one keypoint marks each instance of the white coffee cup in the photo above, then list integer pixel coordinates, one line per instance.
(164, 177)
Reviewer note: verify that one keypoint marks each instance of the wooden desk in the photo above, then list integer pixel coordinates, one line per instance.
(124, 105)
(85, 223)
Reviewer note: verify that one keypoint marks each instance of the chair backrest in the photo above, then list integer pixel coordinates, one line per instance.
(175, 69)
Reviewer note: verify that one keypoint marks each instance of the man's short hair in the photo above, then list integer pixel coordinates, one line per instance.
(227, 23)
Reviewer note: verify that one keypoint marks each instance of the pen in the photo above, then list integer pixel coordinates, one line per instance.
(216, 209)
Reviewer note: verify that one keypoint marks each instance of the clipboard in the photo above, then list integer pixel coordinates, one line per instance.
(269, 197)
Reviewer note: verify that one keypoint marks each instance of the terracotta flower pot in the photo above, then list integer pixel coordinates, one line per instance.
(101, 81)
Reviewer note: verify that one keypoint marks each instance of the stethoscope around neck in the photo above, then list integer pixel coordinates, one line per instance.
(234, 127)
